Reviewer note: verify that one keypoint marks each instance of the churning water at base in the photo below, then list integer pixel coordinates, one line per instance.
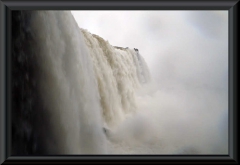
(84, 84)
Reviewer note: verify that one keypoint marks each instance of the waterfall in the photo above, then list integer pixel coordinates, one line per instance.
(82, 84)
(75, 93)
(118, 73)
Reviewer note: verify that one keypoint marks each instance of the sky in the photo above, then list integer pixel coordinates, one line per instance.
(187, 55)
(189, 42)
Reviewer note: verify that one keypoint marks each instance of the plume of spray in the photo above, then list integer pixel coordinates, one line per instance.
(100, 99)
(67, 85)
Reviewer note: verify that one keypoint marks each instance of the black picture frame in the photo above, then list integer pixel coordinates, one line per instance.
(5, 11)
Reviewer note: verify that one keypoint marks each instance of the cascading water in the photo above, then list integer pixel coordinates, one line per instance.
(119, 74)
(83, 83)
(74, 93)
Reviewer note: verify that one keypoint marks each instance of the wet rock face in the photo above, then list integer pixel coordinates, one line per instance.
(22, 86)
(106, 132)
(25, 103)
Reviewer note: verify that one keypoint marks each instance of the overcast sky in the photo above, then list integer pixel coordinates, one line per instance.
(175, 44)
(187, 54)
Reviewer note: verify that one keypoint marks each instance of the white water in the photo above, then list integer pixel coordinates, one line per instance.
(88, 84)
(68, 85)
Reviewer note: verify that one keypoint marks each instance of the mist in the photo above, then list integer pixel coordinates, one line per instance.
(184, 110)
(119, 82)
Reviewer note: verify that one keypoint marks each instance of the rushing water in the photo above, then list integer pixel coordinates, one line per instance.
(74, 93)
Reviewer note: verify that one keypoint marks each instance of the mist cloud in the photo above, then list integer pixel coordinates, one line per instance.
(187, 53)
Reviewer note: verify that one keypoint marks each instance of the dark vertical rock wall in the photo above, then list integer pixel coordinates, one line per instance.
(25, 104)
